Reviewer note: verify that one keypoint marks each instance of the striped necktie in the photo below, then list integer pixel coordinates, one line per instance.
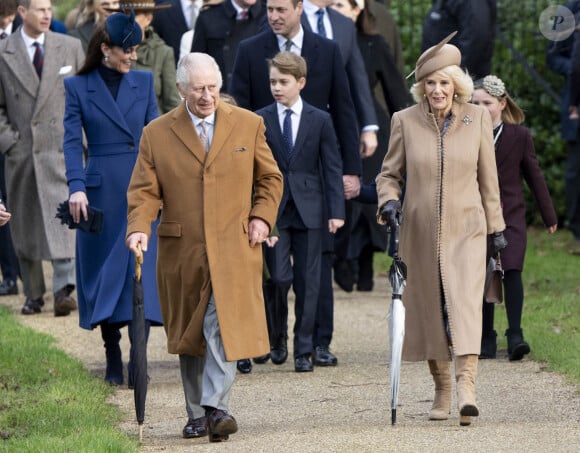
(38, 59)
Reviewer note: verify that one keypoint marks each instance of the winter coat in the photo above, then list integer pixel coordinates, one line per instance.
(451, 204)
(516, 160)
(105, 266)
(203, 234)
(31, 135)
(156, 56)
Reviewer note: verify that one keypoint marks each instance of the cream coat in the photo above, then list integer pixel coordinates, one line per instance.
(451, 203)
(208, 200)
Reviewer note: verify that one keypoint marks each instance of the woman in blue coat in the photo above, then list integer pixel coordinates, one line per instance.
(111, 104)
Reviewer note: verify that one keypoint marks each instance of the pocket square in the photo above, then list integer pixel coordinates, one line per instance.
(94, 223)
(240, 149)
(64, 70)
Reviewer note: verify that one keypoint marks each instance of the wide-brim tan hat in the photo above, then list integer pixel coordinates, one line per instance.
(437, 57)
(141, 6)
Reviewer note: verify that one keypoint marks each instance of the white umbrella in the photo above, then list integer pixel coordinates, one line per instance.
(397, 277)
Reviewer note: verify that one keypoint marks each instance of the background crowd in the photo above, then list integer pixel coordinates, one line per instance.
(75, 97)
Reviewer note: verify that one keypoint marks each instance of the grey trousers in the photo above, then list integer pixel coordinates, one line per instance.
(63, 273)
(207, 381)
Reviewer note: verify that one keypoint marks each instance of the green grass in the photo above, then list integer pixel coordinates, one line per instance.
(49, 402)
(551, 318)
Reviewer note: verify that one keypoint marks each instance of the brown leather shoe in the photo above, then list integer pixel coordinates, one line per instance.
(220, 425)
(63, 302)
(195, 428)
(32, 306)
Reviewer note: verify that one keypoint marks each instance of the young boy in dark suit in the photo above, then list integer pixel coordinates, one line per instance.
(305, 146)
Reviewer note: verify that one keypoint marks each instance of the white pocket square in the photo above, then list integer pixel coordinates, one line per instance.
(64, 70)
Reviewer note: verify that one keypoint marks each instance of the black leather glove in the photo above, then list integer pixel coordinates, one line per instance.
(498, 243)
(392, 214)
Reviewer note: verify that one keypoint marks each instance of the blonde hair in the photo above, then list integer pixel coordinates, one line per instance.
(462, 85)
(494, 86)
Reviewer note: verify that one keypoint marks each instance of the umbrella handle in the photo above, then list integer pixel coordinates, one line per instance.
(138, 262)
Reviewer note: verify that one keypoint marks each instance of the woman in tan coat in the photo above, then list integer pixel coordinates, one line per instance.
(441, 151)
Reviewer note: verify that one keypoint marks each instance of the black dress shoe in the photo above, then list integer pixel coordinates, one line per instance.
(195, 428)
(279, 351)
(302, 363)
(517, 346)
(32, 306)
(323, 357)
(8, 287)
(244, 366)
(262, 359)
(220, 425)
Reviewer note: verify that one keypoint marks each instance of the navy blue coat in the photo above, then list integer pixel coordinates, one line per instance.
(313, 174)
(113, 130)
(326, 86)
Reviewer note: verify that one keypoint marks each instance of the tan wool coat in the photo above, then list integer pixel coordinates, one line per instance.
(208, 201)
(451, 204)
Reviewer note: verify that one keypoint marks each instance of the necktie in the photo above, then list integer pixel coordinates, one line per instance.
(203, 135)
(243, 15)
(3, 35)
(38, 59)
(287, 132)
(288, 46)
(320, 23)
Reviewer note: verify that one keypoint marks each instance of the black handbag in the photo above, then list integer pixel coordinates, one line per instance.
(94, 223)
(493, 289)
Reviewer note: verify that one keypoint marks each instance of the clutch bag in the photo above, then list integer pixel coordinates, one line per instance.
(94, 223)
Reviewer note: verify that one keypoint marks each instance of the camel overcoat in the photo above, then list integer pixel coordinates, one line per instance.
(451, 203)
(208, 201)
(31, 136)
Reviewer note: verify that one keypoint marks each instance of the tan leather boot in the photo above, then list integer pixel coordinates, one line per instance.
(442, 400)
(465, 373)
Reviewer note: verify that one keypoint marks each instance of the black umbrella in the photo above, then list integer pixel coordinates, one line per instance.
(138, 361)
(397, 278)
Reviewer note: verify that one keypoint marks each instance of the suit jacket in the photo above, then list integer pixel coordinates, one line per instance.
(313, 175)
(170, 24)
(218, 33)
(516, 161)
(112, 128)
(31, 136)
(344, 34)
(326, 86)
(208, 200)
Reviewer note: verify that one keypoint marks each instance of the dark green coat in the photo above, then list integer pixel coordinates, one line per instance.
(156, 56)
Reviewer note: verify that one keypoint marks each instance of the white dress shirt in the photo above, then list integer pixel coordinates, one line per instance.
(209, 122)
(29, 43)
(295, 118)
(310, 11)
(297, 41)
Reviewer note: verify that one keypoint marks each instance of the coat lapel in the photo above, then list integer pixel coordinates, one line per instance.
(17, 59)
(506, 139)
(184, 129)
(275, 134)
(303, 130)
(100, 96)
(53, 59)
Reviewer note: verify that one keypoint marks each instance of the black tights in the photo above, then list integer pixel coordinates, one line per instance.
(513, 299)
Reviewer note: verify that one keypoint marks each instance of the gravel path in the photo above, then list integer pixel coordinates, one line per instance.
(343, 409)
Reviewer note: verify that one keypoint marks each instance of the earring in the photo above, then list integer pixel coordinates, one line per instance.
(455, 96)
(106, 57)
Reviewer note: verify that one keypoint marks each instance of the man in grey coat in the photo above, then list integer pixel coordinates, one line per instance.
(33, 64)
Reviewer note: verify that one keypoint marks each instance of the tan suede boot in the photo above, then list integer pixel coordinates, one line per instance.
(442, 400)
(465, 373)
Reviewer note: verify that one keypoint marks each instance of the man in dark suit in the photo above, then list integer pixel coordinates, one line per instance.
(327, 89)
(220, 28)
(333, 25)
(303, 142)
(171, 23)
(8, 260)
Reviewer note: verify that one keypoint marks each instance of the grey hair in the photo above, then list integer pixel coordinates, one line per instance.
(190, 62)
(462, 84)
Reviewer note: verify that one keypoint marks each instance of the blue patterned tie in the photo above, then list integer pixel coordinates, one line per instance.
(38, 59)
(320, 23)
(287, 132)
